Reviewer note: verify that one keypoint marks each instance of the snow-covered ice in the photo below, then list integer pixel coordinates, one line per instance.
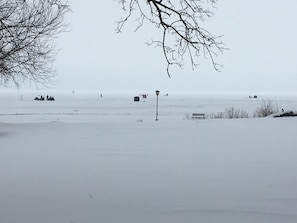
(88, 159)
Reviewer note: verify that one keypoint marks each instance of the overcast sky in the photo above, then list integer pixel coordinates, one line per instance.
(261, 36)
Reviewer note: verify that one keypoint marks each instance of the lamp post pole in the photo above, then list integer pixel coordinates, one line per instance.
(157, 104)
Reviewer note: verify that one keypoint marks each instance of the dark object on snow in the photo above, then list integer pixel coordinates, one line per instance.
(144, 96)
(198, 116)
(136, 98)
(50, 98)
(286, 114)
(39, 99)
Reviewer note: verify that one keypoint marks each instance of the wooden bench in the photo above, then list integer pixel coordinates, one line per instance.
(198, 116)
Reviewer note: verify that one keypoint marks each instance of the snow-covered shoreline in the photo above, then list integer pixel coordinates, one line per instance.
(108, 160)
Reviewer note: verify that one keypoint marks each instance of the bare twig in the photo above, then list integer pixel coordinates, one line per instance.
(182, 34)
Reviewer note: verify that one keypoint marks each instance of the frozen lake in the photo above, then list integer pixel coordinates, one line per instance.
(89, 106)
(83, 158)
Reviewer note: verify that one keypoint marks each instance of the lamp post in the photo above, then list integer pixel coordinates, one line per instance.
(157, 93)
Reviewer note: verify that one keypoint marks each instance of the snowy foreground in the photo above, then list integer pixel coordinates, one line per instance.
(86, 159)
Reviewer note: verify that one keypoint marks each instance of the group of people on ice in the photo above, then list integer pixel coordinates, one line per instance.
(41, 98)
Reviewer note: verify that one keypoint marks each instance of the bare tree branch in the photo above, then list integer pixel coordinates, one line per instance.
(27, 31)
(182, 34)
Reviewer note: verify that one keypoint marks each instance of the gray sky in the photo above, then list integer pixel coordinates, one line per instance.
(261, 36)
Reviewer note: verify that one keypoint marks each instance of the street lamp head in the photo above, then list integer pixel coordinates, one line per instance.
(157, 92)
